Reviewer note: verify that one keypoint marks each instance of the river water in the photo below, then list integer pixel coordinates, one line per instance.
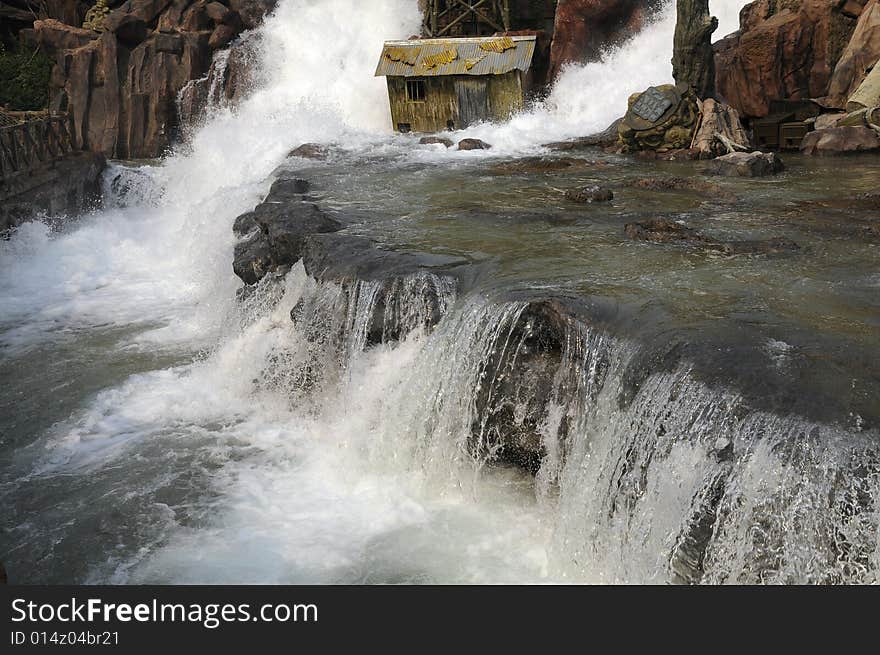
(156, 429)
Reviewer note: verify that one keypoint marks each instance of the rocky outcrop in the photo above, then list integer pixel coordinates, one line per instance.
(841, 140)
(783, 50)
(273, 235)
(861, 55)
(120, 86)
(66, 186)
(585, 28)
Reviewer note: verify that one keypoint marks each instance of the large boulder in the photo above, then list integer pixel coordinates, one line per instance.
(747, 164)
(662, 118)
(861, 54)
(783, 50)
(868, 94)
(841, 140)
(584, 29)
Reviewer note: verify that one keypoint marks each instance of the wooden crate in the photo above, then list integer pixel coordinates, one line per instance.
(792, 134)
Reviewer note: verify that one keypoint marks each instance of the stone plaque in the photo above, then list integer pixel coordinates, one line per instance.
(651, 105)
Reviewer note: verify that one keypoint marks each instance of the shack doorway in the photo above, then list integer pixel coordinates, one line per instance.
(473, 101)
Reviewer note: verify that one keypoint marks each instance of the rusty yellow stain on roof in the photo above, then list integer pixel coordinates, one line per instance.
(456, 56)
(499, 45)
(440, 59)
(408, 56)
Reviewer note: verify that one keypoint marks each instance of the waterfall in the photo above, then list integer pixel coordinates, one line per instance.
(402, 429)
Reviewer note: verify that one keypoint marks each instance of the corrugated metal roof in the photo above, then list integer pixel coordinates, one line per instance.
(494, 55)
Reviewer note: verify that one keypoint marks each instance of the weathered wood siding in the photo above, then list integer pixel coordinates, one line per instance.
(441, 104)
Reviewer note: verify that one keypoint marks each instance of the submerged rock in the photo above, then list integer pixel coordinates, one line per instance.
(436, 140)
(473, 144)
(841, 140)
(590, 194)
(747, 164)
(677, 184)
(607, 137)
(663, 230)
(310, 151)
(544, 165)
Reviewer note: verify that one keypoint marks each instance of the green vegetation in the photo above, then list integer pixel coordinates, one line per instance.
(24, 79)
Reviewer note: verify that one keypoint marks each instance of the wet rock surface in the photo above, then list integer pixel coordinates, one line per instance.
(473, 144)
(747, 164)
(436, 140)
(589, 194)
(538, 165)
(841, 140)
(664, 230)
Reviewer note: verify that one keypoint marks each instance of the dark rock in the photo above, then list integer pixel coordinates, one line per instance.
(287, 224)
(252, 12)
(289, 189)
(254, 258)
(245, 224)
(434, 140)
(747, 164)
(217, 12)
(131, 30)
(222, 36)
(310, 151)
(841, 140)
(662, 230)
(63, 187)
(473, 144)
(677, 184)
(537, 165)
(589, 194)
(584, 29)
(607, 137)
(762, 247)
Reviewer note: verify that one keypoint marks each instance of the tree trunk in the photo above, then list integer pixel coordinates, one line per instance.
(693, 60)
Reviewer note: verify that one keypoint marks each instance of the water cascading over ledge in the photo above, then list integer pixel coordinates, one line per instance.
(651, 474)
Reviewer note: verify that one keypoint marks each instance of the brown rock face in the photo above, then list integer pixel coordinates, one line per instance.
(783, 50)
(121, 86)
(862, 53)
(584, 28)
(841, 140)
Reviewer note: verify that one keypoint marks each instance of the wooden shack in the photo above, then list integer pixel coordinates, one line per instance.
(446, 84)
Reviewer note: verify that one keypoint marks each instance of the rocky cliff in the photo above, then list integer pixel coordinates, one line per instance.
(585, 28)
(798, 49)
(120, 78)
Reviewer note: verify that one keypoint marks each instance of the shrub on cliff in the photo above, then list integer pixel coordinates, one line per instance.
(24, 79)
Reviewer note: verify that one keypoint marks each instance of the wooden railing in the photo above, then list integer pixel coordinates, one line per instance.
(33, 142)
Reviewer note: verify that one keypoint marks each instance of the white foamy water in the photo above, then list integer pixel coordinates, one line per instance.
(361, 475)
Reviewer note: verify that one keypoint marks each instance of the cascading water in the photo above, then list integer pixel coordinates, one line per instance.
(407, 429)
